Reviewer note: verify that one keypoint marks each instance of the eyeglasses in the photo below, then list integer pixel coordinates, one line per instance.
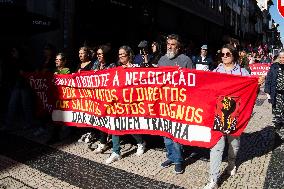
(100, 53)
(228, 54)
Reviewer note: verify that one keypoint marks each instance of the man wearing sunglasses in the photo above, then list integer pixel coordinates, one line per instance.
(203, 62)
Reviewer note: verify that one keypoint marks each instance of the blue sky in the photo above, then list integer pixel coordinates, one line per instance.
(278, 19)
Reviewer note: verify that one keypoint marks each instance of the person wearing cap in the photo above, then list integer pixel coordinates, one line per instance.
(143, 57)
(203, 62)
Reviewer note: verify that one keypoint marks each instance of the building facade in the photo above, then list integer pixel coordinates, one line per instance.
(68, 24)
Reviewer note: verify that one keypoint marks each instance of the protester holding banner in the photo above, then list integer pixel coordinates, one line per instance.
(173, 57)
(163, 101)
(126, 57)
(60, 62)
(86, 64)
(58, 132)
(104, 61)
(274, 86)
(85, 58)
(47, 66)
(229, 56)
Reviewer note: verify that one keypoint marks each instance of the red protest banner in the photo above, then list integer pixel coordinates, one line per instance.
(280, 7)
(42, 84)
(259, 69)
(189, 106)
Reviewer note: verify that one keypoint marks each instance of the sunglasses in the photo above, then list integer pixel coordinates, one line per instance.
(228, 54)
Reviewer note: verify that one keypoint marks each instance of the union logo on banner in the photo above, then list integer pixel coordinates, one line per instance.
(226, 114)
(280, 6)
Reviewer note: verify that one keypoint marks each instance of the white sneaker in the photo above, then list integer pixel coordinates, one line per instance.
(113, 157)
(211, 185)
(231, 171)
(100, 148)
(140, 149)
(85, 138)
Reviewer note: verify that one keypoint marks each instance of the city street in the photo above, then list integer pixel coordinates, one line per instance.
(27, 162)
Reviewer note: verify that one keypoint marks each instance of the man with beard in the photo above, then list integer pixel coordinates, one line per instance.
(174, 57)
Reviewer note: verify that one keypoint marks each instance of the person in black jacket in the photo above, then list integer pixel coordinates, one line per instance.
(274, 86)
(203, 62)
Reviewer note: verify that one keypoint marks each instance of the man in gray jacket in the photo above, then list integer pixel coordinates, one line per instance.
(173, 57)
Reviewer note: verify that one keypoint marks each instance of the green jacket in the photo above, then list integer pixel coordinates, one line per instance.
(63, 71)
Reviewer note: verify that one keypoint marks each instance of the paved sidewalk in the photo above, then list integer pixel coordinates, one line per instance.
(26, 162)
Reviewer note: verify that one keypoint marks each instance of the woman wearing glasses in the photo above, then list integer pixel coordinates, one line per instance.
(228, 65)
(126, 57)
(59, 132)
(104, 61)
(104, 58)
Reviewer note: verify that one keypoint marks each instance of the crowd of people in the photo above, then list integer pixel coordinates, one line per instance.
(229, 60)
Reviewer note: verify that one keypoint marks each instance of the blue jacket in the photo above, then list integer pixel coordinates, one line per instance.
(138, 59)
(270, 82)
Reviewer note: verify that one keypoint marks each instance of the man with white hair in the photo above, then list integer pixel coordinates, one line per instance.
(174, 57)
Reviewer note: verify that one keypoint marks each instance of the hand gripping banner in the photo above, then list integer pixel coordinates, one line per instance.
(192, 107)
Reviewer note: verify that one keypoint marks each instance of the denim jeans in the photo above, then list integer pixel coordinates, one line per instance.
(174, 151)
(116, 142)
(216, 154)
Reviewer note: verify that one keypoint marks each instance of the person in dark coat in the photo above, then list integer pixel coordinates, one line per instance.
(156, 54)
(144, 56)
(274, 86)
(203, 61)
